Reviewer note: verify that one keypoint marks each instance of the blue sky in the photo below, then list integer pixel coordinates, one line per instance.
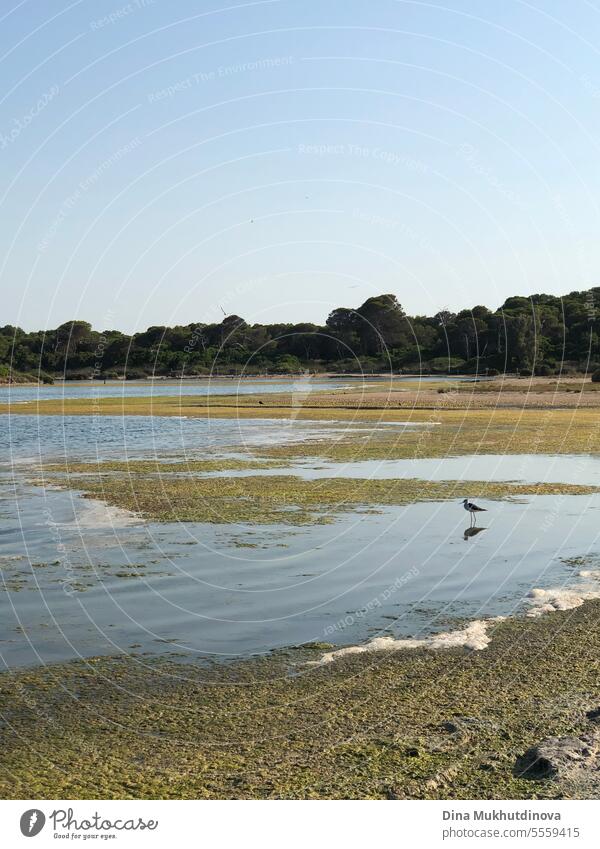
(164, 160)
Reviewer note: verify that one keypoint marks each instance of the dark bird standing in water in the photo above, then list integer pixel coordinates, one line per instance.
(472, 508)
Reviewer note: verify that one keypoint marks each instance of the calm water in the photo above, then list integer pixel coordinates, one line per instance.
(526, 468)
(212, 386)
(25, 438)
(146, 388)
(77, 583)
(76, 578)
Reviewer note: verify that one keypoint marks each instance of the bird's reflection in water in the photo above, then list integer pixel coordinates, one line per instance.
(472, 532)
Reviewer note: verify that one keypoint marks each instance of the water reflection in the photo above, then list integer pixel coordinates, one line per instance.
(73, 581)
(472, 531)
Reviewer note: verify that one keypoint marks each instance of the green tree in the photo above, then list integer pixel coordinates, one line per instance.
(381, 324)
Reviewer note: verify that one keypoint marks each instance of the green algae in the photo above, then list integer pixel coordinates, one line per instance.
(456, 433)
(283, 499)
(409, 724)
(159, 466)
(444, 431)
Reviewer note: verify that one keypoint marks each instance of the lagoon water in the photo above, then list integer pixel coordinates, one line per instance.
(80, 580)
(77, 582)
(159, 388)
(582, 469)
(96, 389)
(26, 438)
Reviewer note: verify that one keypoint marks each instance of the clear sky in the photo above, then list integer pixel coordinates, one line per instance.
(164, 159)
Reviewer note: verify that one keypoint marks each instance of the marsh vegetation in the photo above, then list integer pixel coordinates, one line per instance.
(159, 722)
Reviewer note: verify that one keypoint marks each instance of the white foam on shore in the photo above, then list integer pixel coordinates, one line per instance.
(473, 637)
(565, 598)
(91, 514)
(99, 514)
(561, 598)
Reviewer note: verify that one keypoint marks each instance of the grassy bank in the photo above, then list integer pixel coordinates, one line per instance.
(368, 726)
(23, 378)
(416, 724)
(287, 499)
(159, 467)
(438, 434)
(444, 432)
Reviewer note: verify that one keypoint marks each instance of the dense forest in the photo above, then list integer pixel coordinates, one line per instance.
(541, 334)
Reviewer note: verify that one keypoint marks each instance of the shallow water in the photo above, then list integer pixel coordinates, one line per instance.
(528, 468)
(77, 581)
(581, 469)
(78, 578)
(26, 438)
(96, 389)
(147, 388)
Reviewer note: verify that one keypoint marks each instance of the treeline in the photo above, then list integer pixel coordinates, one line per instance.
(540, 334)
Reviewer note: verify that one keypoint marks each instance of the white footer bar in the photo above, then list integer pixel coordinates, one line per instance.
(312, 824)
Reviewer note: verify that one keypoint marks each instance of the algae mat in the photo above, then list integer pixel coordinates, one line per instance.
(285, 499)
(415, 724)
(438, 432)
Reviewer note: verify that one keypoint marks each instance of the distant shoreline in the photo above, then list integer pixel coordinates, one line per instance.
(58, 381)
